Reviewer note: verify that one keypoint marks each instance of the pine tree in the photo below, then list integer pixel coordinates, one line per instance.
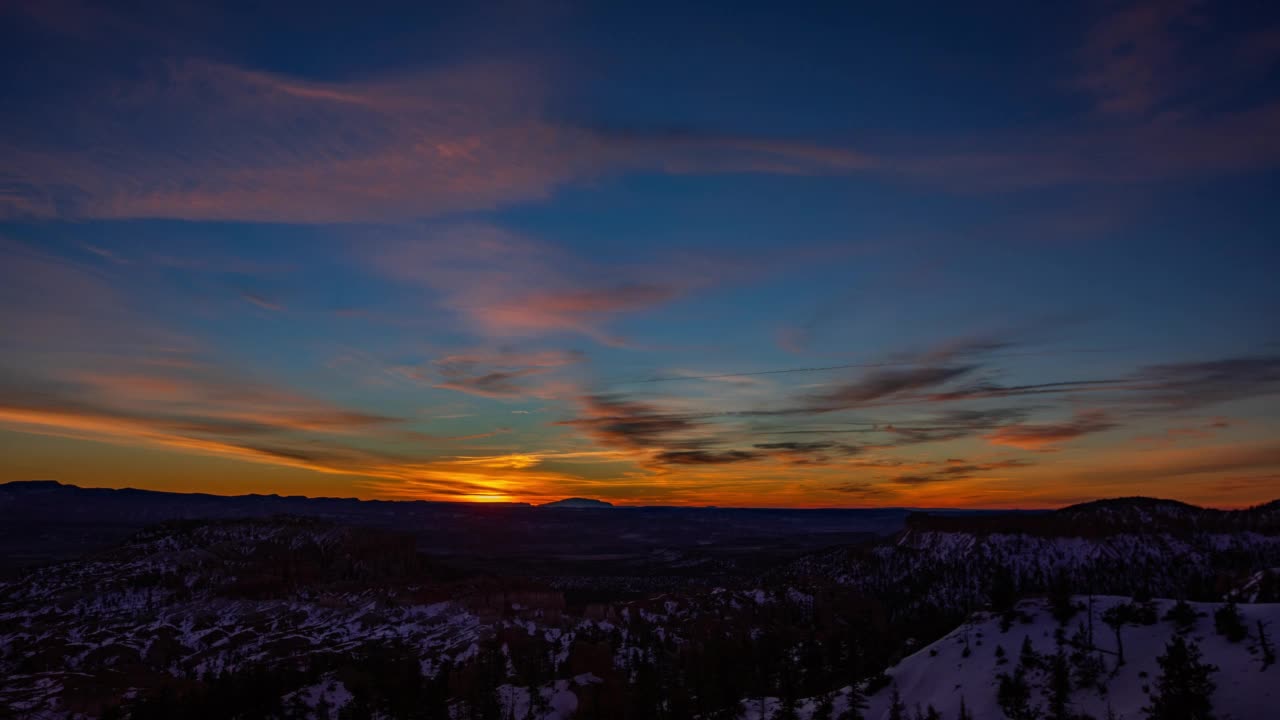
(1229, 624)
(1061, 603)
(1091, 620)
(1027, 655)
(1060, 688)
(1184, 690)
(1182, 615)
(1014, 695)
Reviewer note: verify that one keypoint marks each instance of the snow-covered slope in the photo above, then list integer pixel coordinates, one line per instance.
(1118, 547)
(941, 673)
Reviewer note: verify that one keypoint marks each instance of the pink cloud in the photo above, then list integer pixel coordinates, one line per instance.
(507, 286)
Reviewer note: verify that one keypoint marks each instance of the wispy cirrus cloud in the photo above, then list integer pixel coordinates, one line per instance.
(205, 412)
(952, 424)
(618, 421)
(259, 146)
(885, 385)
(261, 302)
(264, 146)
(953, 470)
(1041, 436)
(1169, 93)
(1149, 57)
(503, 285)
(1190, 385)
(502, 374)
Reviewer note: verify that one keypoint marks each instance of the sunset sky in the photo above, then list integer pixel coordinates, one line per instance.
(738, 254)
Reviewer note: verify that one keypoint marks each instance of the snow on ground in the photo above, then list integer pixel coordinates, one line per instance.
(1245, 691)
(940, 674)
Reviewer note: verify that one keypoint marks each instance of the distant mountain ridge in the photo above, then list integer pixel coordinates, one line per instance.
(44, 521)
(1107, 517)
(579, 503)
(1125, 546)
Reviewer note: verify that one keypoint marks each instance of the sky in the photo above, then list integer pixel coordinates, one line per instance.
(737, 254)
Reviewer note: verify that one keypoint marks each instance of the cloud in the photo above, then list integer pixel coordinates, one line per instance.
(503, 285)
(886, 385)
(988, 390)
(1183, 465)
(1184, 386)
(1041, 436)
(617, 421)
(656, 436)
(205, 412)
(865, 491)
(1130, 60)
(1152, 57)
(1172, 94)
(954, 470)
(952, 425)
(261, 302)
(55, 304)
(258, 146)
(499, 374)
(807, 453)
(703, 457)
(568, 310)
(496, 384)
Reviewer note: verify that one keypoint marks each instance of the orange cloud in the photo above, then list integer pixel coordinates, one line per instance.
(500, 477)
(1028, 436)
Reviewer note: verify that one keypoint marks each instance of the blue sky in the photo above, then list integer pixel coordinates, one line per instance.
(734, 254)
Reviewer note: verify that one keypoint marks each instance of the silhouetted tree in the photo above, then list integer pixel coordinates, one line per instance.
(1061, 603)
(1060, 687)
(1229, 624)
(1184, 690)
(1014, 695)
(1182, 615)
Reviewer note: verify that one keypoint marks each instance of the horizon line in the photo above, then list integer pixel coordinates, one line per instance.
(613, 505)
